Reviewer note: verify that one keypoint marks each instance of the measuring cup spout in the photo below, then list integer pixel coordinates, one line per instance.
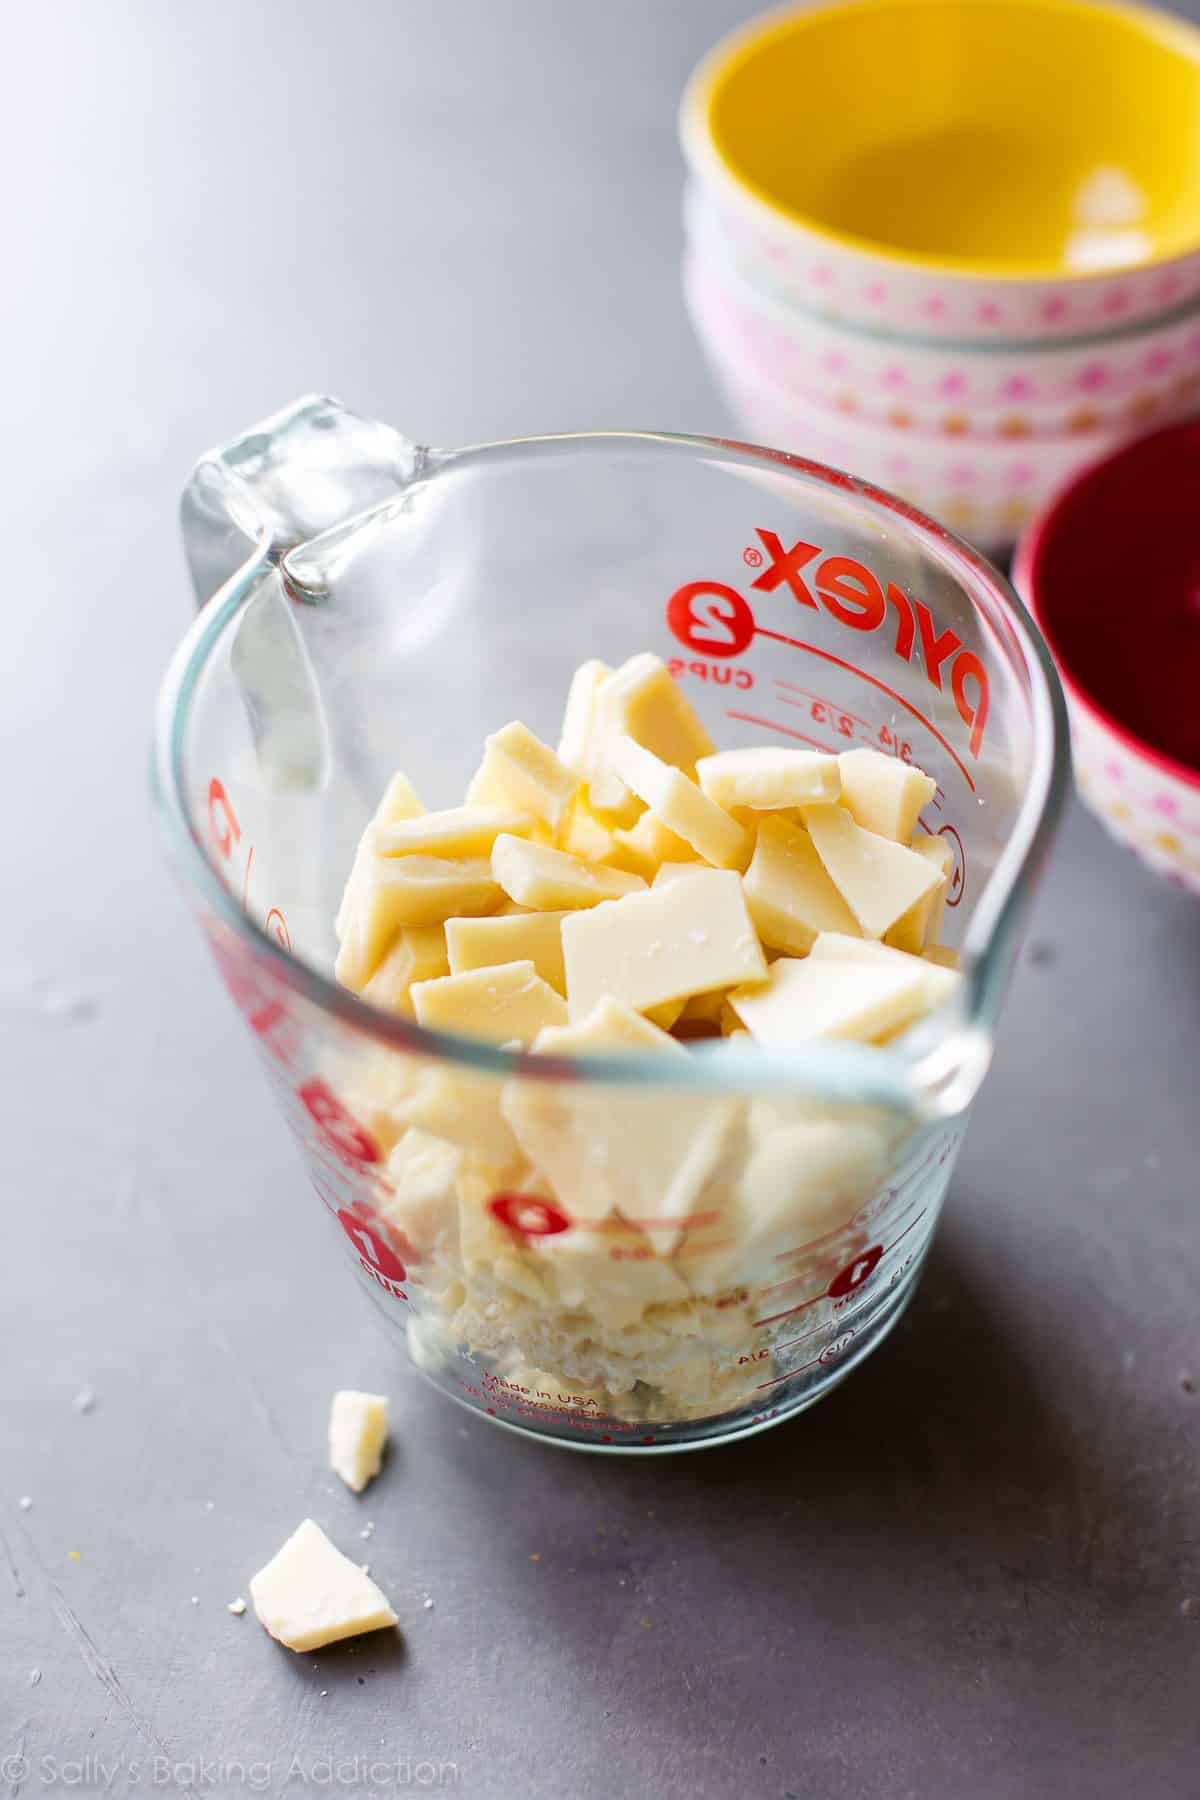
(311, 466)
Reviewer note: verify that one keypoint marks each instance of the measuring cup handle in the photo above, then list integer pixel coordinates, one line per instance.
(307, 468)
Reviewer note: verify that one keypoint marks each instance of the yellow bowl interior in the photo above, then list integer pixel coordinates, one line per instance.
(1019, 137)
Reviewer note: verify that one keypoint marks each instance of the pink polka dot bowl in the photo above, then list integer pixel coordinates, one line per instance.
(1001, 170)
(1111, 572)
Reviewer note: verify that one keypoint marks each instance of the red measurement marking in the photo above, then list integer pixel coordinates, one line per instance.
(527, 1215)
(855, 1273)
(776, 1379)
(803, 1338)
(687, 1222)
(775, 1317)
(906, 1230)
(339, 1128)
(752, 558)
(279, 931)
(225, 830)
(852, 668)
(246, 877)
(772, 725)
(709, 617)
(374, 1253)
(794, 688)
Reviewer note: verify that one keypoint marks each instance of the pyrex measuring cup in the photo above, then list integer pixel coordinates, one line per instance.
(701, 1243)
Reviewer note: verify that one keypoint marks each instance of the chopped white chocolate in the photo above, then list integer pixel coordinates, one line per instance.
(521, 773)
(309, 1594)
(648, 844)
(942, 956)
(769, 777)
(459, 831)
(940, 982)
(680, 805)
(576, 744)
(585, 835)
(518, 937)
(399, 802)
(664, 944)
(358, 1428)
(508, 1002)
(827, 997)
(788, 891)
(923, 920)
(550, 880)
(671, 871)
(609, 1026)
(418, 954)
(421, 1196)
(463, 1109)
(642, 700)
(612, 1147)
(883, 794)
(878, 879)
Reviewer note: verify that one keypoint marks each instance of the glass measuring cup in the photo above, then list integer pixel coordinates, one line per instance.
(615, 1252)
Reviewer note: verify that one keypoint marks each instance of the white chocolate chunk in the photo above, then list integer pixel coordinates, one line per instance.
(922, 922)
(680, 805)
(616, 1273)
(585, 835)
(649, 844)
(358, 1426)
(508, 1002)
(550, 880)
(940, 982)
(579, 730)
(520, 773)
(664, 944)
(609, 1026)
(418, 954)
(309, 1594)
(459, 831)
(942, 956)
(399, 802)
(671, 871)
(605, 1149)
(878, 879)
(788, 891)
(418, 890)
(883, 794)
(642, 700)
(769, 777)
(462, 1108)
(421, 1196)
(816, 998)
(518, 937)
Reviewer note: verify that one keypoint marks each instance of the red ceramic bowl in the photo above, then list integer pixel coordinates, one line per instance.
(1111, 572)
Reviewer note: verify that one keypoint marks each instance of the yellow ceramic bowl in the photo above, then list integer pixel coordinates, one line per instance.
(948, 154)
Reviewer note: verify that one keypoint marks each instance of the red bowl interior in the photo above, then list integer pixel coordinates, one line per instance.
(1112, 573)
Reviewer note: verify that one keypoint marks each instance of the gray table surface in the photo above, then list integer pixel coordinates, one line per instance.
(974, 1571)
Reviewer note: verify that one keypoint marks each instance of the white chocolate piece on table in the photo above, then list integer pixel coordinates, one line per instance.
(418, 954)
(788, 891)
(769, 777)
(664, 944)
(358, 1428)
(878, 879)
(551, 881)
(680, 805)
(922, 922)
(883, 794)
(507, 1002)
(534, 937)
(521, 773)
(828, 998)
(643, 701)
(458, 831)
(309, 1594)
(577, 740)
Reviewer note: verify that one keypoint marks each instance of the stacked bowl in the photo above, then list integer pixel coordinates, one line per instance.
(950, 245)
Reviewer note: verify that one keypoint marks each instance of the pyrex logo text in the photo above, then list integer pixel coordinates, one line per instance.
(715, 619)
